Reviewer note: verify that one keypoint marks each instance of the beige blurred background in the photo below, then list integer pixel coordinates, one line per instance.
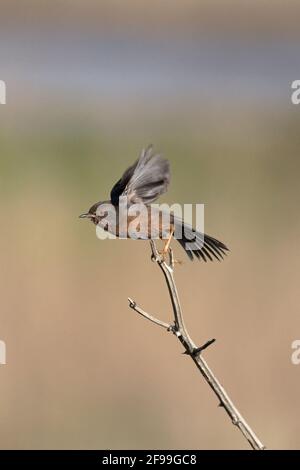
(88, 85)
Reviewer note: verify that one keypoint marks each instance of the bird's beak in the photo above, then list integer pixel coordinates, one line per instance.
(84, 216)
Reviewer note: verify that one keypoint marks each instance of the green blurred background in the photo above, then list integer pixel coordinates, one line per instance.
(88, 85)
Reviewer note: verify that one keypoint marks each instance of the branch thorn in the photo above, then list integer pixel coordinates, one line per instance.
(199, 350)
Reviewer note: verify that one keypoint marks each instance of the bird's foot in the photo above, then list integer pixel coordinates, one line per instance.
(163, 254)
(167, 257)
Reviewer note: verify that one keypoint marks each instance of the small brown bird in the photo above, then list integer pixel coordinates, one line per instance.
(141, 184)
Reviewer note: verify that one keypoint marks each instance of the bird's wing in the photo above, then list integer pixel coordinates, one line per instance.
(144, 181)
(120, 186)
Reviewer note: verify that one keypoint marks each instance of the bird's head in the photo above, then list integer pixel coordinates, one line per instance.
(93, 213)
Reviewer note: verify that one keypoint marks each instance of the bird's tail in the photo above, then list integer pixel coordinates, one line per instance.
(200, 245)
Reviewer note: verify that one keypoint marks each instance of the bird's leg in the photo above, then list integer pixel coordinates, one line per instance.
(167, 249)
(167, 244)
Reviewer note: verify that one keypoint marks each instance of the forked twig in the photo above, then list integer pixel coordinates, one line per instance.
(144, 314)
(192, 350)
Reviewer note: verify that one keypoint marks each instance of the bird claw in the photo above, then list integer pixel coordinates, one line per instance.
(177, 261)
(163, 255)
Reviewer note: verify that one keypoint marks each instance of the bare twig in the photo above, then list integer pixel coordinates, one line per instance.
(192, 350)
(133, 305)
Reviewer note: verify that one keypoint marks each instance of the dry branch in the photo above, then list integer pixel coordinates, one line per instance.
(180, 331)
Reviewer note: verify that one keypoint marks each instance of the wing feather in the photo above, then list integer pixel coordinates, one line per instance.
(145, 180)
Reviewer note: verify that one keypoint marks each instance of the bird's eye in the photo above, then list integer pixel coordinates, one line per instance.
(103, 213)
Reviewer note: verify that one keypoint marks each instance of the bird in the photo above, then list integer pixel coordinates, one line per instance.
(140, 185)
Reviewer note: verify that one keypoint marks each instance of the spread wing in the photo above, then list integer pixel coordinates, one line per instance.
(144, 181)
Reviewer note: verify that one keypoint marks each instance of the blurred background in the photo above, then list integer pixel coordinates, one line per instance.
(89, 84)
